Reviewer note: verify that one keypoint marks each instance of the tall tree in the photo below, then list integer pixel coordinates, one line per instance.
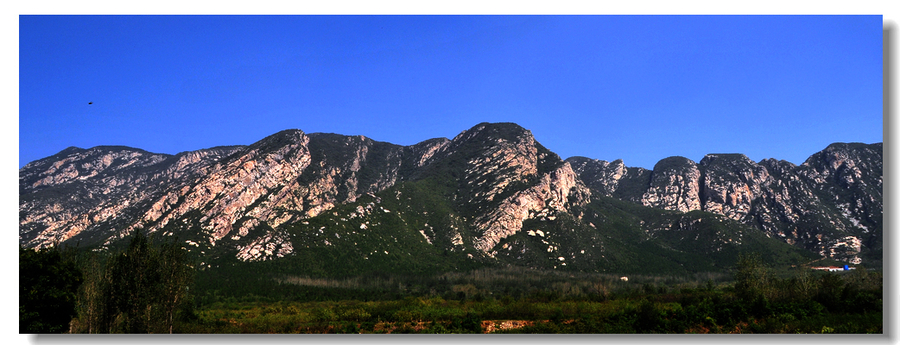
(48, 286)
(139, 290)
(751, 278)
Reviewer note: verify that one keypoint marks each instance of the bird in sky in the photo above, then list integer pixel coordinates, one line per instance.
(90, 102)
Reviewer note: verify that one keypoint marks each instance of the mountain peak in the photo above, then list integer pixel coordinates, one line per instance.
(674, 162)
(724, 157)
(498, 130)
(489, 190)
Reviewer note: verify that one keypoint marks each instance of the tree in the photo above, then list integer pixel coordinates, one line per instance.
(752, 279)
(48, 286)
(138, 290)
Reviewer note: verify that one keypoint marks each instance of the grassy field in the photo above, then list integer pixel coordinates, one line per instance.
(683, 312)
(484, 301)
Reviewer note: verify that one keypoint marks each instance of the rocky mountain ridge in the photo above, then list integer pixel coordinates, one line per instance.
(491, 187)
(831, 204)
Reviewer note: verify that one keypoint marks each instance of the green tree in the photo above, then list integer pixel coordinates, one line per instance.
(48, 287)
(90, 306)
(751, 278)
(138, 290)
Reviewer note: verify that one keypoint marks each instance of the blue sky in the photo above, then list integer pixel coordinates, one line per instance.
(637, 88)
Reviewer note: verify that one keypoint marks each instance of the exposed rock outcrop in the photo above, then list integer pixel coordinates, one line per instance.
(493, 178)
(831, 204)
(62, 196)
(675, 185)
(551, 193)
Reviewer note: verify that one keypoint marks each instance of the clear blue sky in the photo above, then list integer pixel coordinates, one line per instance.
(639, 88)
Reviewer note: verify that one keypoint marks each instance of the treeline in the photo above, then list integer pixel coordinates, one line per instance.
(758, 301)
(150, 287)
(48, 290)
(240, 284)
(143, 288)
(755, 299)
(649, 308)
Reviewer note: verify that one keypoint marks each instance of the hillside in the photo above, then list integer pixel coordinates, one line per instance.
(331, 205)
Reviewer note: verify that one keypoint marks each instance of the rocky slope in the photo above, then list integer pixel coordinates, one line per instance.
(240, 196)
(831, 204)
(76, 191)
(490, 194)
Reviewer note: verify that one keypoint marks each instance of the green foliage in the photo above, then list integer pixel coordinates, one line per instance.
(469, 323)
(611, 235)
(693, 310)
(139, 290)
(752, 279)
(545, 301)
(48, 286)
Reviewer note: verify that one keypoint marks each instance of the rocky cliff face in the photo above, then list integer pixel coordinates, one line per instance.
(612, 179)
(239, 197)
(847, 178)
(489, 184)
(66, 195)
(507, 178)
(674, 185)
(831, 204)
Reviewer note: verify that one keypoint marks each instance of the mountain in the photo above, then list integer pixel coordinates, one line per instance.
(325, 204)
(831, 204)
